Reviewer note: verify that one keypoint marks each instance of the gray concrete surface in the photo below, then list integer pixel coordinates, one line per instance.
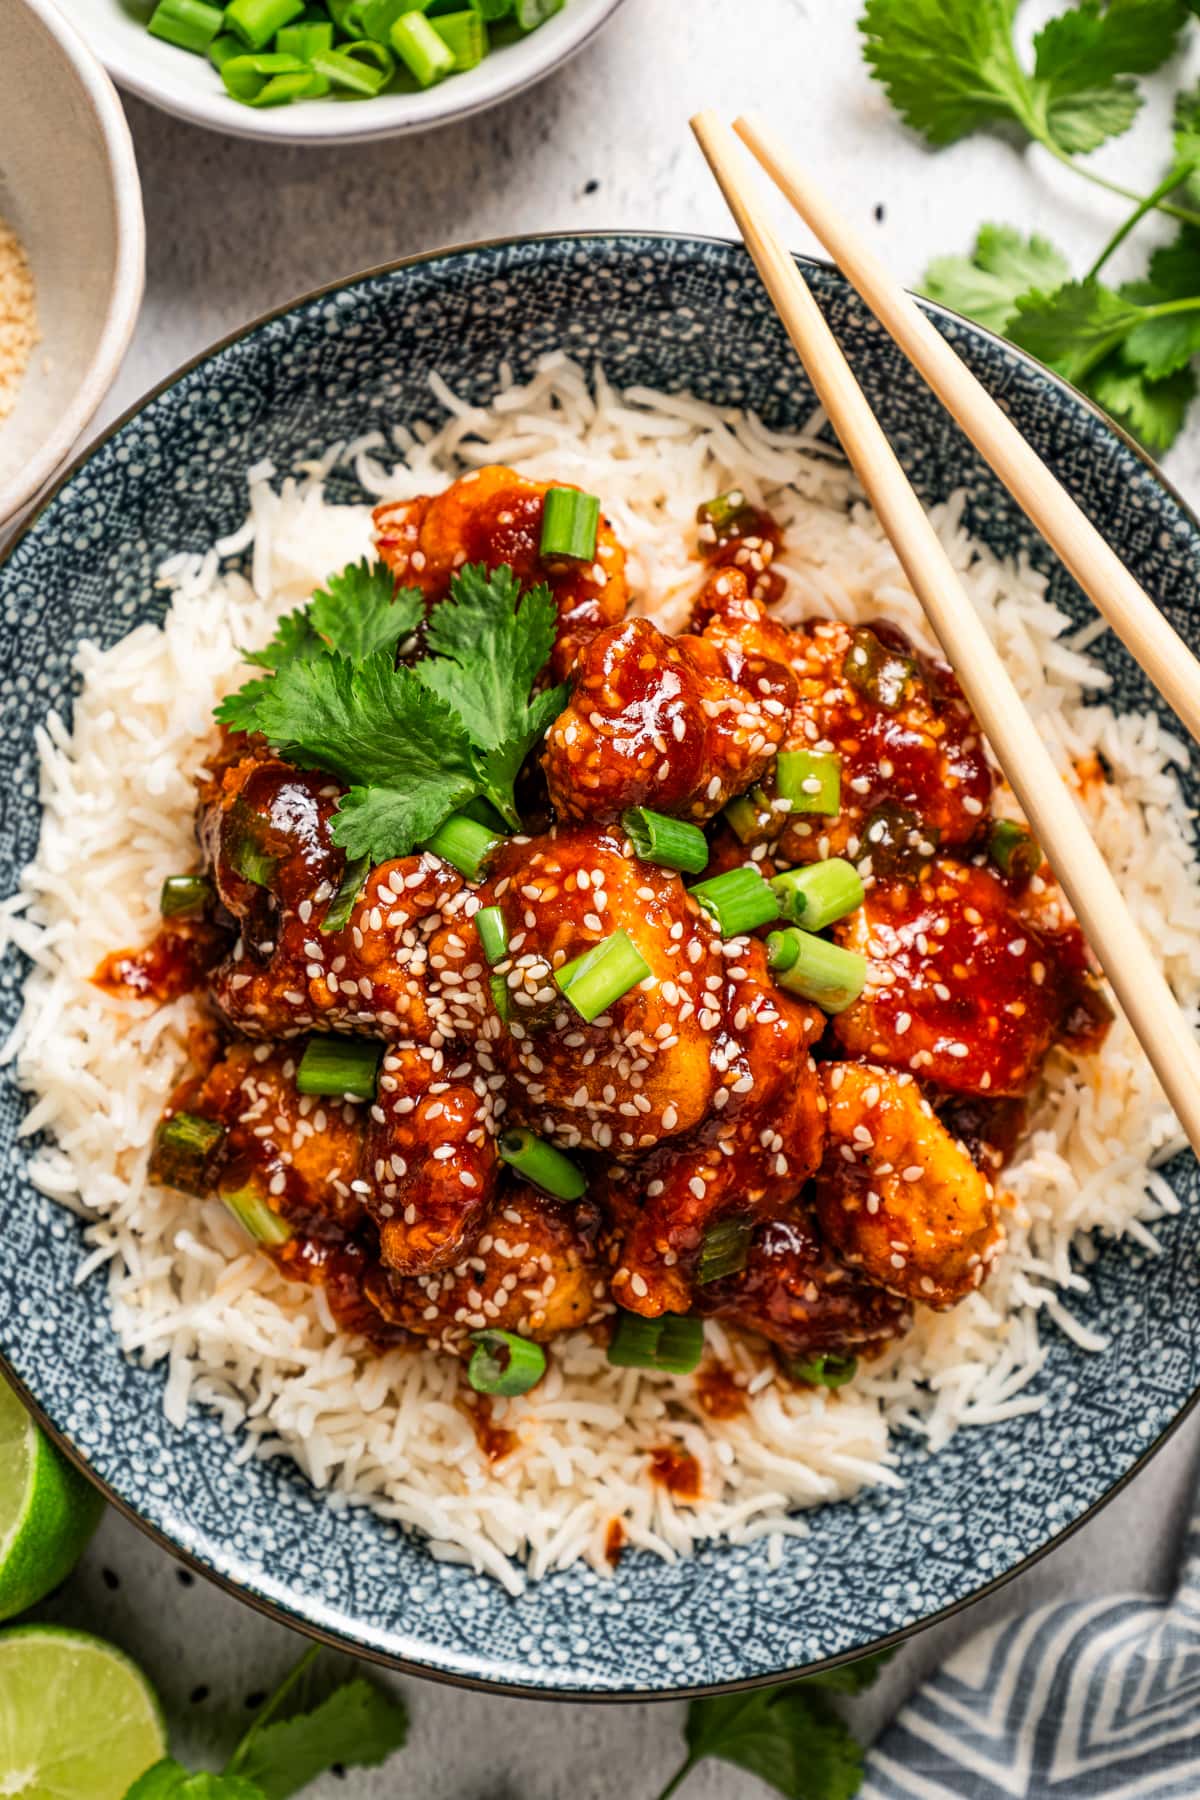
(234, 229)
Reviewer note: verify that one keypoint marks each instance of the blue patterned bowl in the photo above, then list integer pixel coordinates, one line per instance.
(678, 313)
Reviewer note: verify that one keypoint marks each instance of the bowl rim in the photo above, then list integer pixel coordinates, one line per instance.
(128, 281)
(276, 1610)
(352, 124)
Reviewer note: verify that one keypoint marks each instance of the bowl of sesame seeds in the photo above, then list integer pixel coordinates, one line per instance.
(71, 244)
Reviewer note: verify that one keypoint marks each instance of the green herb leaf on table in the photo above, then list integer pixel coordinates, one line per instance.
(1075, 327)
(789, 1736)
(357, 1724)
(490, 644)
(1153, 411)
(1162, 345)
(168, 1780)
(1187, 137)
(1083, 60)
(1002, 266)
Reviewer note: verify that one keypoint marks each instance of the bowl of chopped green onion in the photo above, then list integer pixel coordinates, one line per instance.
(332, 71)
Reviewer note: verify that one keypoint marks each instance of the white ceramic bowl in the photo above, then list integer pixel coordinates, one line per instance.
(188, 86)
(69, 188)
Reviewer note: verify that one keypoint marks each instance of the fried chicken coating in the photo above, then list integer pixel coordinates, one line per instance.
(430, 1156)
(961, 988)
(909, 745)
(793, 1293)
(535, 1271)
(897, 1197)
(494, 516)
(680, 725)
(641, 1071)
(763, 1139)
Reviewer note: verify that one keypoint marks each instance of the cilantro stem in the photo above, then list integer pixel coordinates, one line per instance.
(1170, 181)
(1114, 187)
(685, 1768)
(270, 1706)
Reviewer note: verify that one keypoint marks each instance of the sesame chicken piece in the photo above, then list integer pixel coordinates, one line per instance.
(897, 1197)
(295, 1152)
(655, 721)
(794, 1294)
(961, 988)
(763, 1140)
(642, 1071)
(534, 1270)
(918, 758)
(494, 516)
(405, 964)
(429, 1158)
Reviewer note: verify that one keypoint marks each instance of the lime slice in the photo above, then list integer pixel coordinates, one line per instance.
(77, 1720)
(47, 1510)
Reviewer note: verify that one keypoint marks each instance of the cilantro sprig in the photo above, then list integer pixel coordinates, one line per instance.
(790, 1736)
(412, 744)
(951, 67)
(307, 1726)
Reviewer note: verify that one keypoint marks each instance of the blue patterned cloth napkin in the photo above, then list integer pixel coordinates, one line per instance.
(1077, 1701)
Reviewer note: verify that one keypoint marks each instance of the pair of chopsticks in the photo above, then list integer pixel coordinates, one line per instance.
(1136, 977)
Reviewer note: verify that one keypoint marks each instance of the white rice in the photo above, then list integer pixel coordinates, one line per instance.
(118, 798)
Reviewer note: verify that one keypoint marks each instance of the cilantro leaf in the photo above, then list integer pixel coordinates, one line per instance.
(359, 611)
(1084, 57)
(1186, 137)
(169, 1780)
(1160, 346)
(357, 1724)
(404, 751)
(1153, 411)
(852, 1677)
(490, 645)
(789, 1736)
(1075, 327)
(949, 66)
(294, 638)
(239, 710)
(1002, 266)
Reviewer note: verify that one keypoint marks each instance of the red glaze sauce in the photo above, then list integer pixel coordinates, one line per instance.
(676, 1470)
(177, 960)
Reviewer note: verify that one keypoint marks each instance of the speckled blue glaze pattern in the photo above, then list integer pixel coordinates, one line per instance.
(681, 314)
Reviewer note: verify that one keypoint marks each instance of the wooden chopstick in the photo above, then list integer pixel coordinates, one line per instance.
(1097, 568)
(1136, 978)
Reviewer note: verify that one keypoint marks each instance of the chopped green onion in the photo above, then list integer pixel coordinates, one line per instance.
(504, 1363)
(898, 840)
(739, 900)
(349, 16)
(723, 511)
(184, 894)
(671, 843)
(543, 1164)
(421, 50)
(337, 913)
(824, 1371)
(305, 38)
(340, 1066)
(223, 48)
(500, 997)
(725, 1250)
(463, 843)
(255, 1216)
(810, 779)
(1014, 850)
(190, 24)
(483, 813)
(465, 35)
(673, 1343)
(751, 816)
(817, 895)
(815, 969)
(257, 21)
(268, 79)
(363, 67)
(598, 978)
(183, 1145)
(882, 674)
(569, 523)
(530, 14)
(493, 9)
(375, 18)
(247, 851)
(493, 933)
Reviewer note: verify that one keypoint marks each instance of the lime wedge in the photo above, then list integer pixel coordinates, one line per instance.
(47, 1510)
(77, 1720)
